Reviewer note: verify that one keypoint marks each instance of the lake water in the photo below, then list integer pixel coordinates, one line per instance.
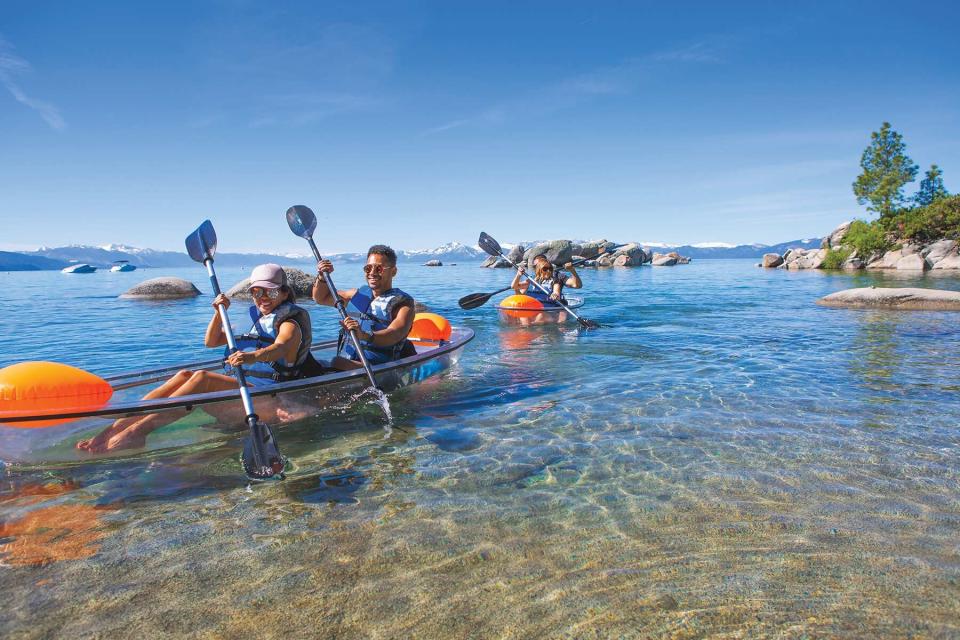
(723, 458)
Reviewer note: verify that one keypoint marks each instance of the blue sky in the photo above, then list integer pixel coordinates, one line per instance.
(419, 123)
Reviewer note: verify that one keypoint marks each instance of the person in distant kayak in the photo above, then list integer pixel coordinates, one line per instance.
(552, 280)
(381, 314)
(276, 349)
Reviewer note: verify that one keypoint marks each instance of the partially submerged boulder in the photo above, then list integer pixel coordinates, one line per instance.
(300, 281)
(772, 260)
(893, 298)
(165, 288)
(433, 263)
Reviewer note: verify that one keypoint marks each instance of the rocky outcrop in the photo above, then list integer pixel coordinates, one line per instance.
(902, 298)
(162, 289)
(939, 255)
(557, 251)
(495, 262)
(433, 263)
(668, 259)
(592, 249)
(300, 281)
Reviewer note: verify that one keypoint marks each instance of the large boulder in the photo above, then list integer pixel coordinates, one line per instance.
(300, 281)
(634, 252)
(951, 261)
(162, 289)
(902, 298)
(912, 262)
(558, 252)
(592, 249)
(939, 250)
(663, 260)
(772, 260)
(433, 263)
(835, 239)
(516, 253)
(888, 260)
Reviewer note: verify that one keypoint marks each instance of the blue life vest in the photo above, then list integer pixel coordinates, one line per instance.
(264, 332)
(375, 313)
(534, 291)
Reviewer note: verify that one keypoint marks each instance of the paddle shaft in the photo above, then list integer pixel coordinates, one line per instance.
(480, 300)
(343, 313)
(231, 342)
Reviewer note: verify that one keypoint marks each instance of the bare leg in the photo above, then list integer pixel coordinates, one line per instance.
(163, 391)
(342, 364)
(135, 435)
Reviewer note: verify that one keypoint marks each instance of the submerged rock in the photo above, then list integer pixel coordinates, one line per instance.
(893, 298)
(300, 281)
(165, 288)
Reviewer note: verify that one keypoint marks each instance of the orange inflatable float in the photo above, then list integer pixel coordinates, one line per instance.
(37, 387)
(430, 327)
(520, 306)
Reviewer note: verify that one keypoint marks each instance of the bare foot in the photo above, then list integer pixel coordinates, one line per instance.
(99, 440)
(127, 439)
(294, 412)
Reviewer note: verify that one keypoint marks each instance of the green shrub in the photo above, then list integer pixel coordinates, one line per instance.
(867, 238)
(836, 257)
(936, 221)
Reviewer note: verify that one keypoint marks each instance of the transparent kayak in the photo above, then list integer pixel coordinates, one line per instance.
(546, 315)
(193, 424)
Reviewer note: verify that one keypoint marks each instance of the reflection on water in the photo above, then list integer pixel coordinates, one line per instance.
(724, 459)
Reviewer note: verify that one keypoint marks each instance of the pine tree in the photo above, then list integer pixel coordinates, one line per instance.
(931, 187)
(886, 169)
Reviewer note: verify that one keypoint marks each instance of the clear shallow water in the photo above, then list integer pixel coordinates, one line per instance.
(724, 458)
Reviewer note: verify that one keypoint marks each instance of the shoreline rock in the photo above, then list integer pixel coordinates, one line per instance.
(163, 288)
(906, 298)
(560, 252)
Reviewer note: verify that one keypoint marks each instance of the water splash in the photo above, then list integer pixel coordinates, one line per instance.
(381, 399)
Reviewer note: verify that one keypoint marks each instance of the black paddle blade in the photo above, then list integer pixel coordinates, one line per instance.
(489, 245)
(202, 243)
(474, 300)
(268, 466)
(301, 221)
(589, 324)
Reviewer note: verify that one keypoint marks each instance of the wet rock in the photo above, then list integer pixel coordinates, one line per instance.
(300, 281)
(893, 298)
(433, 263)
(772, 260)
(162, 289)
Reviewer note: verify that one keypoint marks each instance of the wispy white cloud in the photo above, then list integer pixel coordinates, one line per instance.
(617, 79)
(11, 66)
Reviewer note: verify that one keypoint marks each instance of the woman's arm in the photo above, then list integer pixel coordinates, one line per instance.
(517, 285)
(214, 336)
(573, 281)
(285, 346)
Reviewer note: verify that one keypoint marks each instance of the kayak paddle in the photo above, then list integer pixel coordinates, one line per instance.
(492, 247)
(303, 222)
(475, 300)
(261, 458)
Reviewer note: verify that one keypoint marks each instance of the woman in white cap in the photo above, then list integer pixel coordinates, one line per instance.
(276, 349)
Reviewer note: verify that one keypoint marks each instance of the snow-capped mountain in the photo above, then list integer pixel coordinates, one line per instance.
(449, 251)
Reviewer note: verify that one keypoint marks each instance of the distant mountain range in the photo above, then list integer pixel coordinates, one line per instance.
(49, 258)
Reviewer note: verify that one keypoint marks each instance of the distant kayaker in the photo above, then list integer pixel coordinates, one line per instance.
(552, 280)
(277, 349)
(381, 314)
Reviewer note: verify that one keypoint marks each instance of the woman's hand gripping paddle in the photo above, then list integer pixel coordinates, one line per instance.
(303, 222)
(261, 458)
(492, 247)
(475, 300)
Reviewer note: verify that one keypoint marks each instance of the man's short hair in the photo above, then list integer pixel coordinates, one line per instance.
(385, 251)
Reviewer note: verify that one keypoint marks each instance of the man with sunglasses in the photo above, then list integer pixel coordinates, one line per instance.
(381, 314)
